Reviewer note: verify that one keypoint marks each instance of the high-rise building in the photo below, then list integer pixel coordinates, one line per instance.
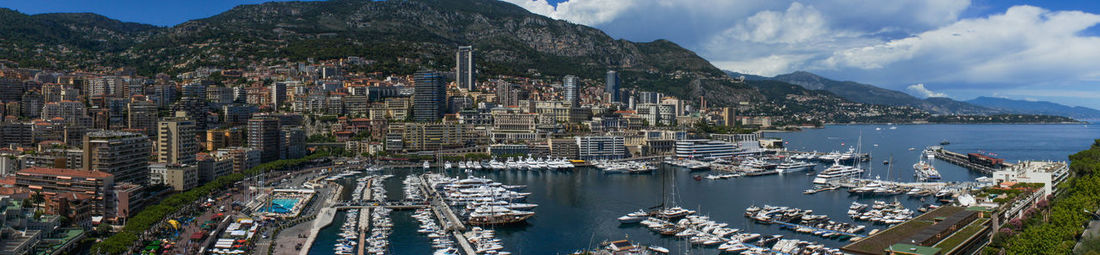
(142, 115)
(278, 94)
(11, 90)
(429, 97)
(193, 103)
(294, 142)
(176, 144)
(464, 68)
(123, 154)
(508, 94)
(613, 84)
(572, 91)
(263, 135)
(32, 104)
(71, 112)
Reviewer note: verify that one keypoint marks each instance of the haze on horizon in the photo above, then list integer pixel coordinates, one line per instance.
(959, 49)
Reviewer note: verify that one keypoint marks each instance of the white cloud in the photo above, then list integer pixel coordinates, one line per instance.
(1025, 44)
(921, 91)
(768, 65)
(887, 43)
(587, 12)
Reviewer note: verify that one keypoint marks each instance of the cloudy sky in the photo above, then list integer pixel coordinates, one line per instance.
(1046, 50)
(1040, 50)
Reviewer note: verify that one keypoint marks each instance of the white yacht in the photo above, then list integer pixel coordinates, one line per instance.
(794, 166)
(836, 172)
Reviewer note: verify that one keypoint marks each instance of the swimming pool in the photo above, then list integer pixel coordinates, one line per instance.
(281, 205)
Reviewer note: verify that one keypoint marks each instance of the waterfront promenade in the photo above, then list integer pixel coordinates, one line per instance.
(324, 218)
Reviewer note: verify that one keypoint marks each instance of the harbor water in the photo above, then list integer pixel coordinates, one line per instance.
(578, 209)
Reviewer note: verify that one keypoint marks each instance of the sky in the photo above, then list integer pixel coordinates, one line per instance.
(1030, 50)
(1046, 50)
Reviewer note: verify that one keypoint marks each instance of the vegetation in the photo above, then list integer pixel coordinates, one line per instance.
(1055, 230)
(959, 236)
(143, 221)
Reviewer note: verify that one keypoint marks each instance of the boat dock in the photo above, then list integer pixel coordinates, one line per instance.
(792, 225)
(963, 160)
(364, 220)
(445, 216)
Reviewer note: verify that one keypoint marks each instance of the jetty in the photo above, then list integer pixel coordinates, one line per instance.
(796, 226)
(972, 161)
(446, 216)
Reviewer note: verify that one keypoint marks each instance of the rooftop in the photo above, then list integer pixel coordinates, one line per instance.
(913, 249)
(1039, 166)
(877, 243)
(64, 172)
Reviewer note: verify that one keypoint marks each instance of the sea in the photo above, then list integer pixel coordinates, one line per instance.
(578, 209)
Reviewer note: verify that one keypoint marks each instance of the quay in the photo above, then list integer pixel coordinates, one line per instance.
(364, 219)
(792, 225)
(324, 218)
(965, 161)
(446, 217)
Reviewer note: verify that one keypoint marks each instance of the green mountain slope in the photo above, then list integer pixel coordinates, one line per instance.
(402, 36)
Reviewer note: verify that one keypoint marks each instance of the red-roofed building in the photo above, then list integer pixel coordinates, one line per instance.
(51, 182)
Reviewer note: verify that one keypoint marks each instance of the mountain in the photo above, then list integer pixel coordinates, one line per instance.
(400, 36)
(870, 94)
(65, 40)
(1037, 107)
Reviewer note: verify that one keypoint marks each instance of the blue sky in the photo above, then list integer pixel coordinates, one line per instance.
(960, 49)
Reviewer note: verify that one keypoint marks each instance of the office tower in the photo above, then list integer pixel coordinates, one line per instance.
(464, 68)
(123, 154)
(176, 144)
(142, 115)
(613, 84)
(278, 94)
(429, 97)
(572, 91)
(263, 135)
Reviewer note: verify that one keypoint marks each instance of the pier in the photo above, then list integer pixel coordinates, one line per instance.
(445, 216)
(796, 226)
(364, 219)
(963, 160)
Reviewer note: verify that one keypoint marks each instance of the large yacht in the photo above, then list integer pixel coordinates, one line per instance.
(837, 172)
(790, 166)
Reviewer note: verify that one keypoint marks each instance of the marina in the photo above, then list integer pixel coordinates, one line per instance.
(590, 201)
